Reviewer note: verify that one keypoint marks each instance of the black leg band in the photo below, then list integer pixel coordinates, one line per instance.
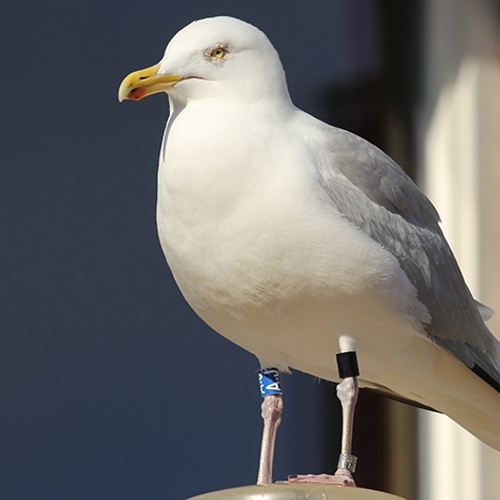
(347, 364)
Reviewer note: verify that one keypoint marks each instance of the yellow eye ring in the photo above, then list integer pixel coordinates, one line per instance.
(218, 52)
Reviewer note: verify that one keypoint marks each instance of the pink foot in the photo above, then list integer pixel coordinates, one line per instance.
(341, 478)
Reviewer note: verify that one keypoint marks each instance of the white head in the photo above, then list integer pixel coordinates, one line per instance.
(217, 58)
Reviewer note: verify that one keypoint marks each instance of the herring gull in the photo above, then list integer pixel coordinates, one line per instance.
(296, 239)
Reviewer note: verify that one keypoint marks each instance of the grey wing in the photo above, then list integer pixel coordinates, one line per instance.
(375, 195)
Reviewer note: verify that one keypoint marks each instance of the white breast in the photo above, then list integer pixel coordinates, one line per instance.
(266, 260)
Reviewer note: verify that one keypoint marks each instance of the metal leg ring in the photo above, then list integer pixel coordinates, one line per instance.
(347, 462)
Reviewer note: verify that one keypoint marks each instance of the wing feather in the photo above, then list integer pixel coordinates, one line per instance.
(376, 196)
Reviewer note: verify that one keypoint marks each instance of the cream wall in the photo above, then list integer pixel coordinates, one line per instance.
(459, 141)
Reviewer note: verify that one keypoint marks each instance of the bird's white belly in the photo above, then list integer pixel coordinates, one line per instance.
(285, 280)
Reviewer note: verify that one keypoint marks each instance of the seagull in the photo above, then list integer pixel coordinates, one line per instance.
(297, 240)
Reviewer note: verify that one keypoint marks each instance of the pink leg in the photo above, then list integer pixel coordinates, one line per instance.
(272, 407)
(347, 392)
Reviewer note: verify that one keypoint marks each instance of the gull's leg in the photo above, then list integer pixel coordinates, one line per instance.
(347, 392)
(272, 407)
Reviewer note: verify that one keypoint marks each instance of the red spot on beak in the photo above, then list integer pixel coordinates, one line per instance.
(137, 94)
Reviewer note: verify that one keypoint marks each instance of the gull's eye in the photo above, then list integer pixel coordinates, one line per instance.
(218, 52)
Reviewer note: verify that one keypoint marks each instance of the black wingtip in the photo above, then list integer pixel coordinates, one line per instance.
(486, 377)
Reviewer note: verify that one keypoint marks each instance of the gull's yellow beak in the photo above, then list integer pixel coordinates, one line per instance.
(145, 82)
